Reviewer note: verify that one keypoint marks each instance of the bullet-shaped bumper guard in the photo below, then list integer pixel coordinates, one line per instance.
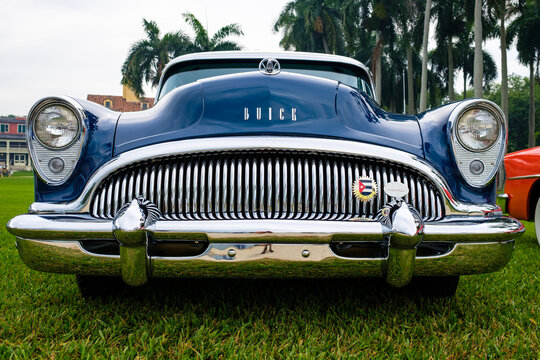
(301, 248)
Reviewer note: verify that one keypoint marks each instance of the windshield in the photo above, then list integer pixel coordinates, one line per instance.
(191, 73)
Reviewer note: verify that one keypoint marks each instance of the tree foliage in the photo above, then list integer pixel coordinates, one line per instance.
(518, 95)
(148, 57)
(400, 26)
(218, 41)
(311, 25)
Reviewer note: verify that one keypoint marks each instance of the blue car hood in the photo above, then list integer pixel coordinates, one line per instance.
(256, 104)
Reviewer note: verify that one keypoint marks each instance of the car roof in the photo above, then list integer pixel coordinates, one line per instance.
(256, 55)
(288, 55)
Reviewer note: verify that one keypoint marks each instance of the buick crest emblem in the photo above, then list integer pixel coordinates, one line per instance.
(269, 66)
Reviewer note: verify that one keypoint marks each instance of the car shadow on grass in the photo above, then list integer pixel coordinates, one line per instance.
(350, 294)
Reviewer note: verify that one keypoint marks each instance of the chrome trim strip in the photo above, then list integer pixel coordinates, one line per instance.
(524, 177)
(83, 227)
(286, 260)
(82, 203)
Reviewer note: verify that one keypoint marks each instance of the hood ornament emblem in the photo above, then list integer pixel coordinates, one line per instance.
(269, 66)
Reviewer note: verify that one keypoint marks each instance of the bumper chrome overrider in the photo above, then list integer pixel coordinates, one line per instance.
(52, 243)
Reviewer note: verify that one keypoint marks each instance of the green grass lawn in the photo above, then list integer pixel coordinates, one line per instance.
(42, 315)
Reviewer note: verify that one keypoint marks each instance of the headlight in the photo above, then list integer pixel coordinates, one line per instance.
(56, 137)
(56, 126)
(477, 129)
(478, 137)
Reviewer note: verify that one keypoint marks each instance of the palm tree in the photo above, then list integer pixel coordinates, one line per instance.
(310, 25)
(218, 42)
(382, 23)
(450, 24)
(147, 57)
(498, 10)
(478, 60)
(524, 29)
(489, 69)
(425, 38)
(408, 22)
(466, 54)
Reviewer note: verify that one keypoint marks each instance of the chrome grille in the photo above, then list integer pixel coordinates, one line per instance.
(261, 185)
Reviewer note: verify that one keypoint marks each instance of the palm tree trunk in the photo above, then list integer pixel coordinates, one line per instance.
(504, 65)
(451, 95)
(378, 66)
(423, 81)
(531, 104)
(504, 81)
(464, 83)
(478, 56)
(410, 82)
(325, 44)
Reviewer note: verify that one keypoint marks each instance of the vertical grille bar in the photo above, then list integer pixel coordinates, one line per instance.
(160, 199)
(292, 187)
(314, 180)
(306, 198)
(180, 193)
(270, 189)
(284, 197)
(299, 189)
(210, 208)
(226, 194)
(277, 196)
(261, 170)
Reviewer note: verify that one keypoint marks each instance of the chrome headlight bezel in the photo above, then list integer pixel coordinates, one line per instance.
(41, 153)
(491, 157)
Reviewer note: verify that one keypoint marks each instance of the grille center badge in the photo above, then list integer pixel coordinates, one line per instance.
(396, 189)
(365, 188)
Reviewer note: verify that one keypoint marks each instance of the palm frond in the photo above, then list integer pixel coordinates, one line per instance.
(201, 35)
(225, 31)
(226, 46)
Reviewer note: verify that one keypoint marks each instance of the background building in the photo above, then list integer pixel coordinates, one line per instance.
(13, 149)
(127, 102)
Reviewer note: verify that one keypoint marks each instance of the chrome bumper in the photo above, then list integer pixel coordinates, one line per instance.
(81, 227)
(250, 260)
(300, 248)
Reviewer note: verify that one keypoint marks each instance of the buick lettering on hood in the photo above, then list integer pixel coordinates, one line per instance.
(257, 165)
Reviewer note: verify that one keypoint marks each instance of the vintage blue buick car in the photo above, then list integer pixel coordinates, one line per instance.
(265, 165)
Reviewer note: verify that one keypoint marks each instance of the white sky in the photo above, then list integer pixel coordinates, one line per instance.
(72, 47)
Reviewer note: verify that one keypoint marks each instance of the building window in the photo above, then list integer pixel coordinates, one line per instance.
(17, 144)
(4, 128)
(21, 129)
(3, 144)
(107, 103)
(144, 106)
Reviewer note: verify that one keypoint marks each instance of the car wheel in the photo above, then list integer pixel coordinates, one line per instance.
(99, 286)
(437, 286)
(537, 220)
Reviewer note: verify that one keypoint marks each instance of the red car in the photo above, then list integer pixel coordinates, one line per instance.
(523, 185)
